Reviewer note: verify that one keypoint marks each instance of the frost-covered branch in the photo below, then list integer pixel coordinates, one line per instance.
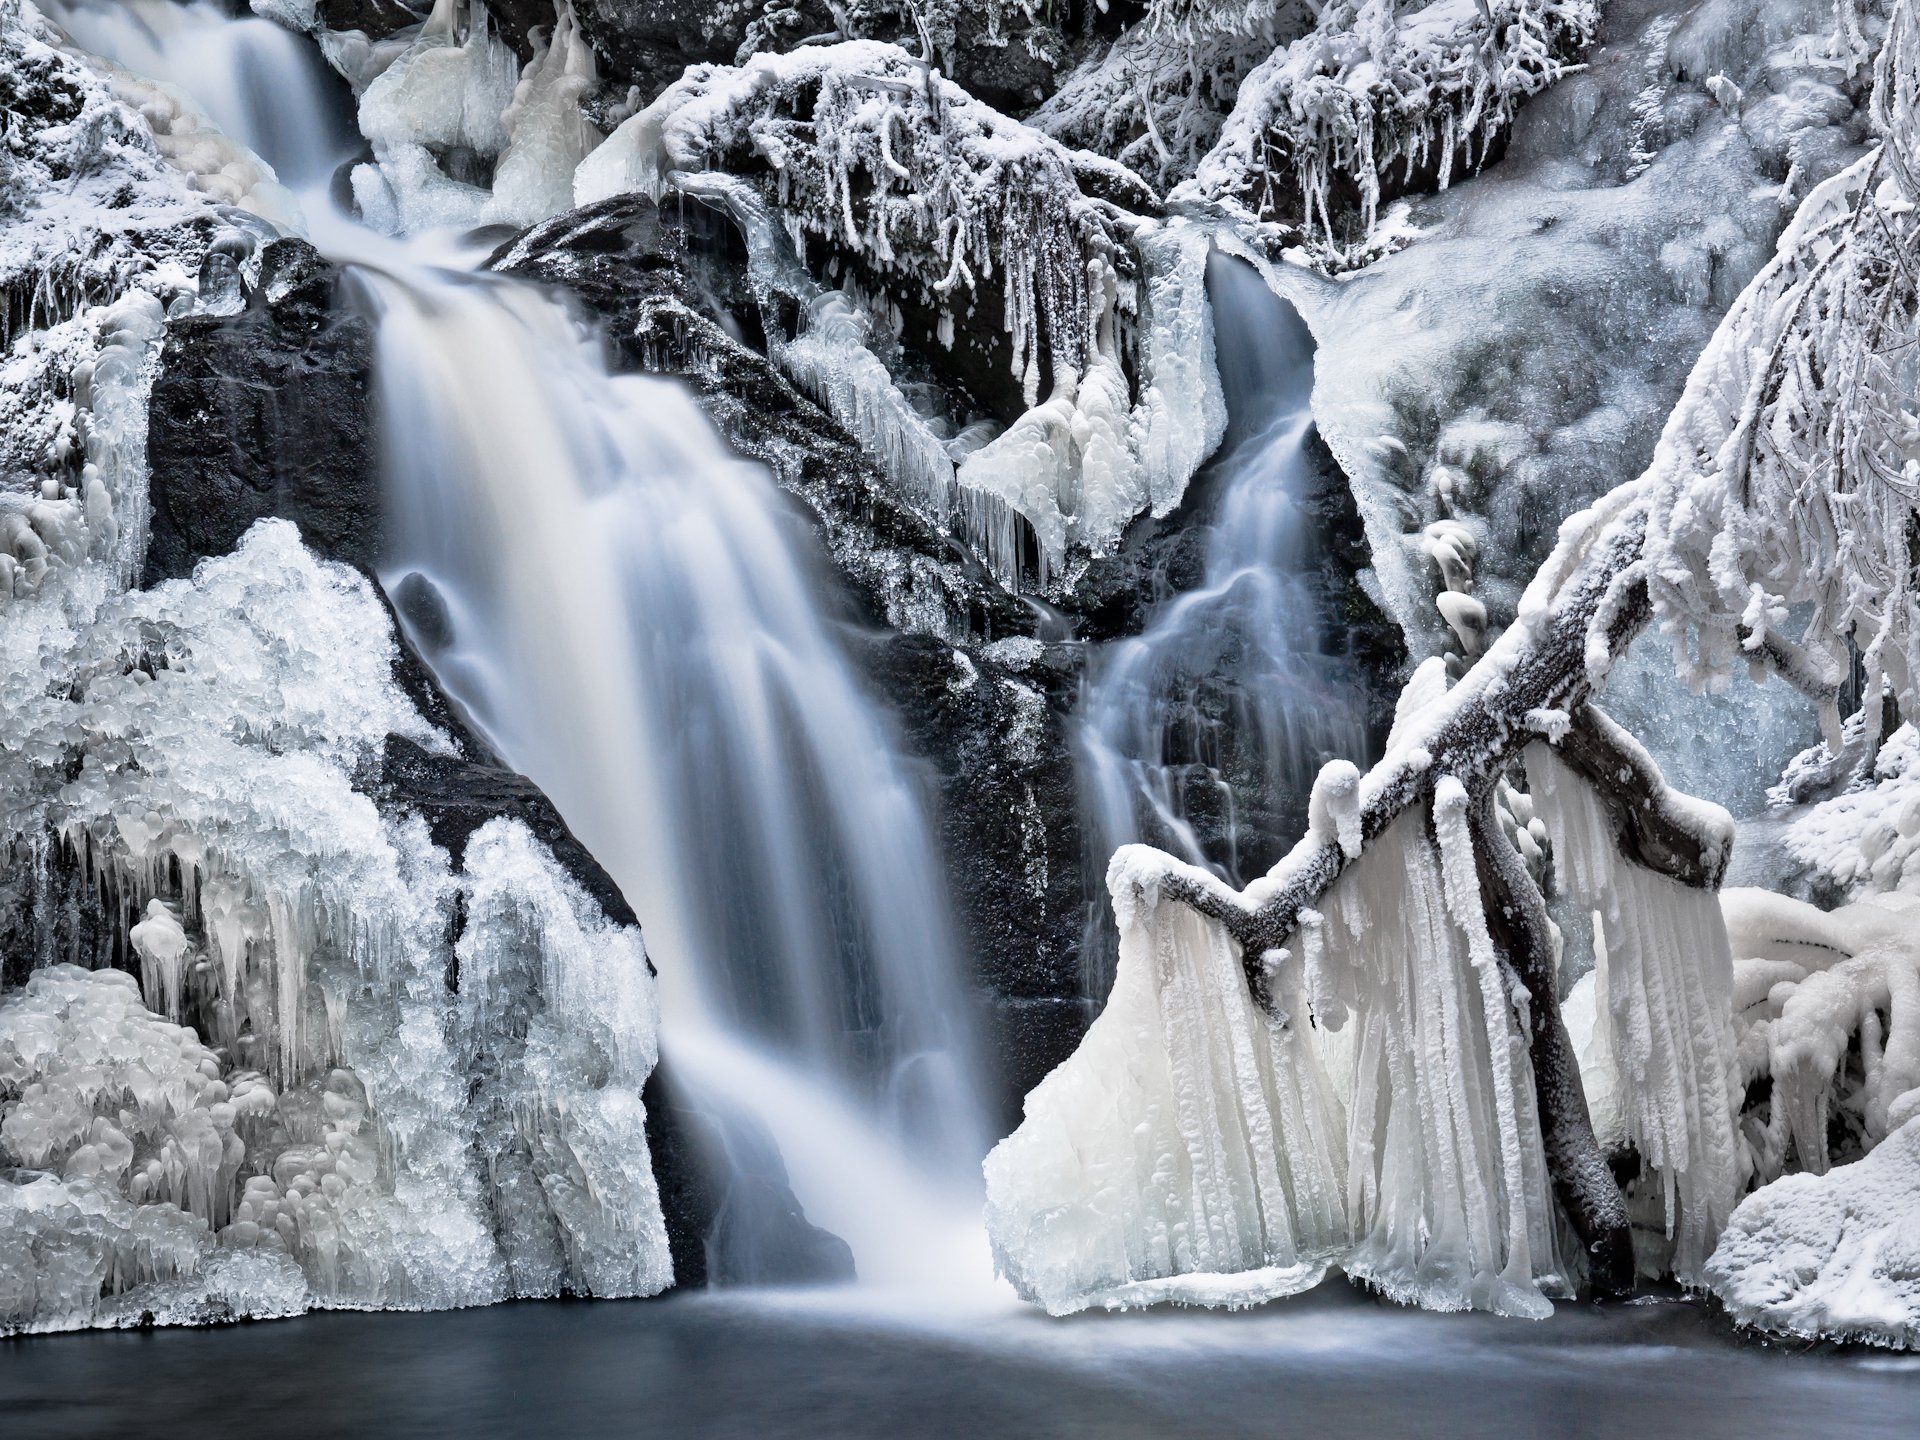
(1791, 477)
(1528, 683)
(1523, 934)
(1382, 97)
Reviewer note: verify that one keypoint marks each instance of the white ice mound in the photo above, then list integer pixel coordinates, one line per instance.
(317, 1097)
(128, 1141)
(1189, 1151)
(1834, 1256)
(1196, 1149)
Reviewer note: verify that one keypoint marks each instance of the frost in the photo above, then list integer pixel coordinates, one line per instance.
(1375, 87)
(1767, 494)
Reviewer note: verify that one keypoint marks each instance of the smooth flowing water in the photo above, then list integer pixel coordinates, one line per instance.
(259, 82)
(636, 619)
(762, 1366)
(1208, 727)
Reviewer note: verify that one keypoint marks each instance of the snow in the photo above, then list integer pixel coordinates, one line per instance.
(1375, 87)
(1833, 1256)
(866, 150)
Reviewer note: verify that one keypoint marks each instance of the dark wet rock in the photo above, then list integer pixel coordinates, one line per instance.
(376, 19)
(649, 43)
(264, 413)
(669, 289)
(456, 796)
(993, 735)
(730, 1211)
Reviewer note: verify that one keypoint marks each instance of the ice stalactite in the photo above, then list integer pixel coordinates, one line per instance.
(862, 150)
(189, 754)
(1193, 1149)
(547, 133)
(435, 119)
(1663, 1045)
(1381, 1105)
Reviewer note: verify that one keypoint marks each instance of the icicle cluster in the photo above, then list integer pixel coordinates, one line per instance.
(1381, 1117)
(437, 108)
(1156, 98)
(1379, 85)
(1662, 1047)
(1789, 475)
(189, 755)
(868, 150)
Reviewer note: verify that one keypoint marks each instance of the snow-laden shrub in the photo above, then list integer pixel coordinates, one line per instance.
(1378, 87)
(1785, 495)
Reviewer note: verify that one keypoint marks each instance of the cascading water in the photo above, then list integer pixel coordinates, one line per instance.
(1230, 698)
(627, 614)
(259, 82)
(632, 616)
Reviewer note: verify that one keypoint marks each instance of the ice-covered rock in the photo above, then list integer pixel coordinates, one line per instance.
(1833, 1256)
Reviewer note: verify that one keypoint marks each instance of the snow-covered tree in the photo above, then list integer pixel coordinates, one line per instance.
(1362, 1059)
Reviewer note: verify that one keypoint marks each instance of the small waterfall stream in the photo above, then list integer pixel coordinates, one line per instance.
(259, 82)
(1232, 695)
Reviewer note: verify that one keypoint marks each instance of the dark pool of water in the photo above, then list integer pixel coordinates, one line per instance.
(1329, 1365)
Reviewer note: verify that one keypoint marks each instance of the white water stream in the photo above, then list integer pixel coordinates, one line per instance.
(1232, 688)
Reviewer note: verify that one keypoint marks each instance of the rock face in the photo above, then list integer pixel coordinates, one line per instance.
(265, 413)
(268, 413)
(649, 42)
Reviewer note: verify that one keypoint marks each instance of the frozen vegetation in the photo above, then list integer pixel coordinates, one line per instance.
(1772, 499)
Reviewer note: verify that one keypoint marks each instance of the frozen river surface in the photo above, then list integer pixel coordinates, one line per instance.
(770, 1366)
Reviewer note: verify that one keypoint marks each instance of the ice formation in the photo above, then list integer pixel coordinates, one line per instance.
(1378, 1116)
(1378, 86)
(438, 108)
(211, 731)
(1663, 1044)
(935, 193)
(547, 135)
(1833, 1256)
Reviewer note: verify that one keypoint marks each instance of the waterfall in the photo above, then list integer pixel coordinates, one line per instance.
(636, 619)
(259, 82)
(629, 611)
(1231, 698)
